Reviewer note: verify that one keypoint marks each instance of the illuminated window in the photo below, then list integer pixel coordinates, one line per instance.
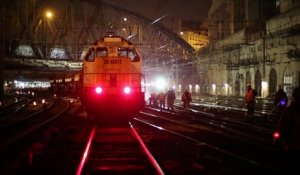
(24, 50)
(57, 53)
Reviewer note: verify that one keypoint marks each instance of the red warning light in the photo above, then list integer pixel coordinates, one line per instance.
(127, 90)
(98, 90)
(276, 135)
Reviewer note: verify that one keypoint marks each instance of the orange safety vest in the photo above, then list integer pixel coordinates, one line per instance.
(250, 96)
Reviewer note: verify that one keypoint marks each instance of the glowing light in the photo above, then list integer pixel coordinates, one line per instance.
(98, 90)
(127, 90)
(214, 87)
(49, 14)
(276, 135)
(264, 86)
(226, 88)
(34, 103)
(160, 83)
(197, 88)
(283, 102)
(31, 84)
(190, 88)
(125, 19)
(43, 101)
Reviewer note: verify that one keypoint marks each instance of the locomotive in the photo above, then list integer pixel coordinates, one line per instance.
(112, 79)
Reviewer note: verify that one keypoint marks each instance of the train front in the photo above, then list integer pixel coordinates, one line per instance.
(112, 78)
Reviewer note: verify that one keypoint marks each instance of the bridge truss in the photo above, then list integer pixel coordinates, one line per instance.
(35, 42)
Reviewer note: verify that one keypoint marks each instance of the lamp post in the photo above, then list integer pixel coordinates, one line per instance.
(1, 49)
(48, 15)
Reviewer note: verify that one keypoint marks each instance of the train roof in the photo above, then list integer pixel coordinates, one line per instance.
(112, 39)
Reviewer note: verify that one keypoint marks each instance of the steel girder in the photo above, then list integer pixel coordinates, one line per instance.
(78, 23)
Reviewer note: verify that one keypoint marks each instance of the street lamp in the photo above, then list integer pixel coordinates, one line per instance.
(48, 15)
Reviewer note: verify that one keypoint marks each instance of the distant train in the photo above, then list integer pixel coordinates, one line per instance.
(67, 85)
(112, 77)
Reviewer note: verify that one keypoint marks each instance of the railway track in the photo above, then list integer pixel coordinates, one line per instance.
(117, 151)
(72, 144)
(18, 134)
(184, 142)
(13, 107)
(255, 158)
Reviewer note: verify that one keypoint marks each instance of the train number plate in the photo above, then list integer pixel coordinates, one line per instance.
(112, 61)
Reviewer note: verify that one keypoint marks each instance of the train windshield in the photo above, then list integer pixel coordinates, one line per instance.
(128, 52)
(101, 52)
(90, 56)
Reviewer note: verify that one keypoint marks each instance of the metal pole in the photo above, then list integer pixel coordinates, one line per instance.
(45, 33)
(1, 49)
(177, 83)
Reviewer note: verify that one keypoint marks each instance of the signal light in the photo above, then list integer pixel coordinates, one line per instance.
(276, 135)
(283, 102)
(98, 90)
(127, 90)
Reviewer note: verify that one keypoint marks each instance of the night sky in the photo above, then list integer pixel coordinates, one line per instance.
(177, 9)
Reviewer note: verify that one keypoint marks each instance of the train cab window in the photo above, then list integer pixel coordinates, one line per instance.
(101, 52)
(133, 56)
(122, 52)
(90, 56)
(130, 53)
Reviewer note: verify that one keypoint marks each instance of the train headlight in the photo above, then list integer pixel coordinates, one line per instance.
(127, 90)
(98, 90)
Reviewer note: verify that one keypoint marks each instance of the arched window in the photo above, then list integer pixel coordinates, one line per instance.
(273, 82)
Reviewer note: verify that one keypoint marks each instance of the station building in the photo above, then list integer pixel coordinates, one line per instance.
(256, 42)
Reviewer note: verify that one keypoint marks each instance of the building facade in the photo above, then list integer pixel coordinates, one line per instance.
(256, 42)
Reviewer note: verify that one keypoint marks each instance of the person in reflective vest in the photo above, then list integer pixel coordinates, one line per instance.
(250, 101)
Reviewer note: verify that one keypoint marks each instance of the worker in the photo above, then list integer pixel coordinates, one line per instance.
(162, 99)
(186, 99)
(170, 99)
(250, 101)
